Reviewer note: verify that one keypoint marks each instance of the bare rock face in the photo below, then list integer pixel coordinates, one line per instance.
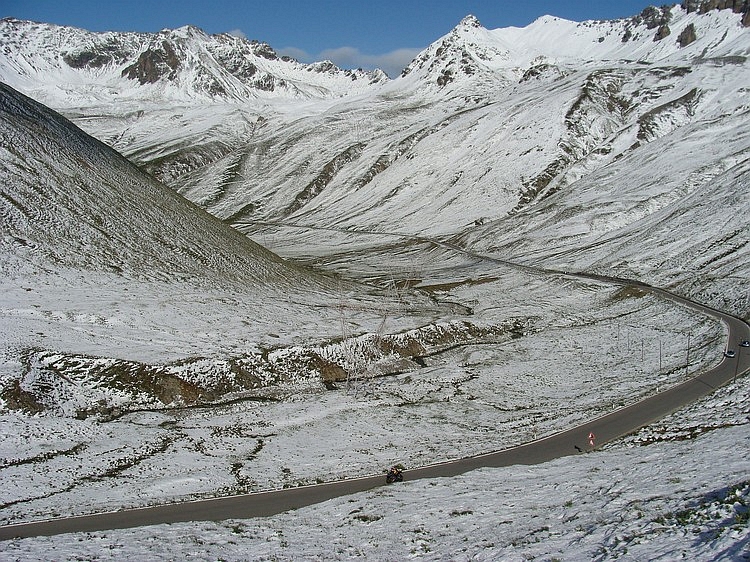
(654, 17)
(705, 6)
(98, 51)
(662, 32)
(687, 36)
(86, 59)
(446, 77)
(264, 50)
(95, 58)
(737, 6)
(153, 64)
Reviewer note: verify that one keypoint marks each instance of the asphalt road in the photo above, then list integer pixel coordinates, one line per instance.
(569, 442)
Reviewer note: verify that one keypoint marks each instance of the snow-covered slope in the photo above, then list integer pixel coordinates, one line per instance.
(675, 490)
(572, 145)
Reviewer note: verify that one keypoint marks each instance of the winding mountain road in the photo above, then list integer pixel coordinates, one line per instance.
(569, 442)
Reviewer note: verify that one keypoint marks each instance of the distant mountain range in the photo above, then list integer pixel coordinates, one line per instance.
(181, 63)
(187, 63)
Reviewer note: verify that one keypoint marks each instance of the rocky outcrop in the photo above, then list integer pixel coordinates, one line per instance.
(687, 36)
(326, 175)
(664, 118)
(96, 57)
(705, 6)
(737, 6)
(240, 67)
(154, 63)
(445, 78)
(653, 17)
(80, 386)
(662, 32)
(263, 50)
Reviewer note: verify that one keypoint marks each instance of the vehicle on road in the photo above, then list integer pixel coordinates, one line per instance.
(729, 353)
(395, 474)
(745, 343)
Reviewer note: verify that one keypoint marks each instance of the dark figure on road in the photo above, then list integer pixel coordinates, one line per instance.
(395, 474)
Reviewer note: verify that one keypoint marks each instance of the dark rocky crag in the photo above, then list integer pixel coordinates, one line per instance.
(705, 6)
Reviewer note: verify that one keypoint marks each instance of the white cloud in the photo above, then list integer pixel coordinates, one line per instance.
(346, 57)
(395, 61)
(237, 33)
(350, 57)
(295, 53)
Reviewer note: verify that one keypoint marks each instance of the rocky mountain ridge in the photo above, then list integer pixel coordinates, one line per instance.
(182, 63)
(470, 51)
(187, 63)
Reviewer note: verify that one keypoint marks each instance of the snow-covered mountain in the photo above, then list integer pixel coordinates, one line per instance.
(180, 64)
(561, 144)
(657, 34)
(600, 130)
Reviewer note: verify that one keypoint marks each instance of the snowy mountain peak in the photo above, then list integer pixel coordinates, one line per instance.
(547, 19)
(676, 33)
(465, 51)
(469, 22)
(185, 32)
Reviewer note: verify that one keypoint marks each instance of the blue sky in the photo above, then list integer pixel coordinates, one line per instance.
(384, 33)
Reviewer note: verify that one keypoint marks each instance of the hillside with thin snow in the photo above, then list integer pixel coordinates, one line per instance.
(73, 202)
(109, 278)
